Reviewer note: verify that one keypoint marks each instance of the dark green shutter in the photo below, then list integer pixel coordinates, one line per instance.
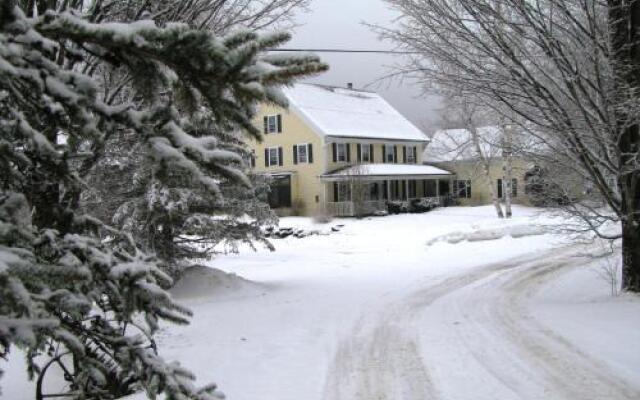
(359, 151)
(384, 154)
(266, 124)
(310, 155)
(266, 157)
(348, 148)
(371, 153)
(279, 123)
(280, 156)
(334, 147)
(395, 153)
(335, 191)
(295, 153)
(404, 154)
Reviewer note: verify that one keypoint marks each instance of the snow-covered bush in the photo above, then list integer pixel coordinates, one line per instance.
(397, 206)
(423, 205)
(77, 293)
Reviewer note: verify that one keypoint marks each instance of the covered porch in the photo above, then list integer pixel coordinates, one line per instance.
(369, 188)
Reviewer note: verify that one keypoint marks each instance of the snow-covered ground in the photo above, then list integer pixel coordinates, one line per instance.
(451, 304)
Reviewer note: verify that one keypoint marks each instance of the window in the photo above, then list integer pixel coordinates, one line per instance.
(430, 188)
(272, 156)
(342, 151)
(514, 188)
(410, 154)
(303, 153)
(462, 188)
(412, 189)
(341, 191)
(273, 124)
(365, 152)
(250, 159)
(389, 154)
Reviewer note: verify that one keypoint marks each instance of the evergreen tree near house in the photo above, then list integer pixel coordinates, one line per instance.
(78, 294)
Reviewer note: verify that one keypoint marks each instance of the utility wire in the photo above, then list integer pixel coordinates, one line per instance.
(346, 51)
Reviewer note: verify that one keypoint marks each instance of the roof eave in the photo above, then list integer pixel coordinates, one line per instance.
(334, 178)
(386, 139)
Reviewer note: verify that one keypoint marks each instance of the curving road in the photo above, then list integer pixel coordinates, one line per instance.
(471, 337)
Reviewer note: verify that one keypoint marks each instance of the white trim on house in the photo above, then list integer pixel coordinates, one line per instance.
(387, 171)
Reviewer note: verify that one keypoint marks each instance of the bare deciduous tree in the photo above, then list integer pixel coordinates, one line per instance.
(567, 73)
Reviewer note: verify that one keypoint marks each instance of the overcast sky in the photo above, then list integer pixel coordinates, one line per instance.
(339, 24)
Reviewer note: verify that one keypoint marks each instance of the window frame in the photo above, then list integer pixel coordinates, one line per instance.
(389, 151)
(412, 156)
(306, 154)
(365, 149)
(344, 153)
(275, 124)
(277, 150)
(462, 188)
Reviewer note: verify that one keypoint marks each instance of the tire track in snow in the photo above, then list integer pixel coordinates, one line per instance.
(382, 360)
(527, 360)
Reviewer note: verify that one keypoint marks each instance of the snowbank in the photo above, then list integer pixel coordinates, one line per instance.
(515, 231)
(201, 281)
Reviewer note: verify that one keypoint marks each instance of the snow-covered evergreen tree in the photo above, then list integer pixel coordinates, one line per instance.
(74, 290)
(173, 219)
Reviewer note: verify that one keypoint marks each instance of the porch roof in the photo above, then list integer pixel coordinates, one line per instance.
(387, 171)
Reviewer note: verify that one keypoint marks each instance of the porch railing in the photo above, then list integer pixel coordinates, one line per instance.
(348, 208)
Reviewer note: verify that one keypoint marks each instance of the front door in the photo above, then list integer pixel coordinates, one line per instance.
(280, 194)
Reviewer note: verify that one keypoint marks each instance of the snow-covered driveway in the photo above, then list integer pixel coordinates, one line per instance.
(383, 310)
(471, 336)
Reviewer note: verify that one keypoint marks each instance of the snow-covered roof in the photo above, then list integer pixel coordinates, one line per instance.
(340, 112)
(386, 170)
(456, 144)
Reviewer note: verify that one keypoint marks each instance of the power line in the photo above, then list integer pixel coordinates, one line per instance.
(346, 51)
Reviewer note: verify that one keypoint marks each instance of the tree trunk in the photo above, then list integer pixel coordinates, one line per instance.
(624, 19)
(484, 162)
(507, 169)
(630, 257)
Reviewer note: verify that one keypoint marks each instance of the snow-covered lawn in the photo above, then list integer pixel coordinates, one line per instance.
(451, 304)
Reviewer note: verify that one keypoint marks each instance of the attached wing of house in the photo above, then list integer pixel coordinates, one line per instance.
(454, 150)
(338, 151)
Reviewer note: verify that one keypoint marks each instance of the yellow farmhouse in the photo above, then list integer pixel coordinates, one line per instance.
(335, 149)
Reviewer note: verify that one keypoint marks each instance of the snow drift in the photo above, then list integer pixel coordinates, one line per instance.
(202, 281)
(515, 231)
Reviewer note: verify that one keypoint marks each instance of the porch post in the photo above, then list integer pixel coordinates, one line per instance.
(389, 190)
(352, 207)
(325, 200)
(438, 189)
(406, 189)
